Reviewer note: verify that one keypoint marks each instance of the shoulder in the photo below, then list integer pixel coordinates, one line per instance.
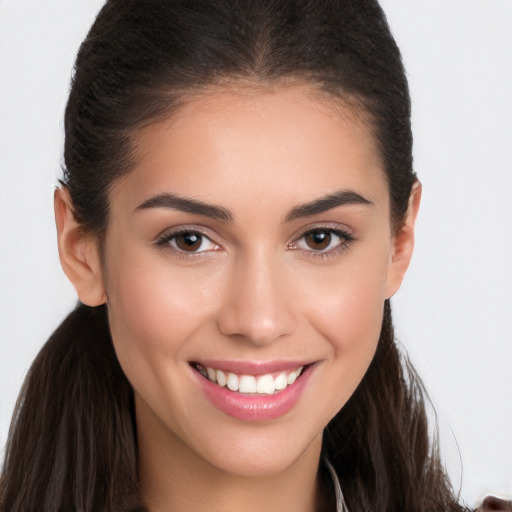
(495, 504)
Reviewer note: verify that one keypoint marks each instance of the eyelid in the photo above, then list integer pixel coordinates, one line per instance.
(345, 234)
(328, 226)
(183, 228)
(163, 239)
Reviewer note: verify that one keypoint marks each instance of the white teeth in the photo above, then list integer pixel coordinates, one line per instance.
(211, 374)
(265, 384)
(232, 382)
(281, 381)
(292, 377)
(221, 377)
(247, 384)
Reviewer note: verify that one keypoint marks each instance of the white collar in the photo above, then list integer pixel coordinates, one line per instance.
(341, 506)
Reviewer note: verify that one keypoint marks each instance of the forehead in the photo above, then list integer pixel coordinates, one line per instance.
(232, 146)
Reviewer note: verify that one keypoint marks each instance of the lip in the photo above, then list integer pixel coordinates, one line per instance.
(254, 407)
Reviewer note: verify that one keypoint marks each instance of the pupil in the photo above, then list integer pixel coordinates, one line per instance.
(188, 241)
(318, 239)
(190, 238)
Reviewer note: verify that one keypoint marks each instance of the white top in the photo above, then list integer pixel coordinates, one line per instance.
(341, 506)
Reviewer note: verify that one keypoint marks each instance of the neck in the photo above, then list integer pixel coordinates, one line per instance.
(174, 477)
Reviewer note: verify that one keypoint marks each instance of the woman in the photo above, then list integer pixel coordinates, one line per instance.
(238, 207)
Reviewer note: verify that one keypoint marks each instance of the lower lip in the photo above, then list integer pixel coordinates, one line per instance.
(254, 407)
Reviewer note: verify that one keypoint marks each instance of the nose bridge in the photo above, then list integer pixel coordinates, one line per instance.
(258, 300)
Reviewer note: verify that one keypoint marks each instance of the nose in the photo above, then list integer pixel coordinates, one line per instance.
(258, 301)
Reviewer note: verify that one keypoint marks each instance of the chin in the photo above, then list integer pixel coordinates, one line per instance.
(262, 453)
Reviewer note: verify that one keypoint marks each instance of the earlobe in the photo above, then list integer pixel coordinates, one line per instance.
(403, 243)
(78, 252)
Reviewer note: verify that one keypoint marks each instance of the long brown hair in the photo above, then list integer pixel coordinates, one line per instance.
(72, 443)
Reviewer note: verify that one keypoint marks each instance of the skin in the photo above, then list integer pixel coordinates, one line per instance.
(255, 291)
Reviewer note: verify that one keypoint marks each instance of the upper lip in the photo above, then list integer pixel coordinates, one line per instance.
(242, 367)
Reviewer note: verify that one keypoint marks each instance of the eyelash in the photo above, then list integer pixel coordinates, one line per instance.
(165, 242)
(346, 239)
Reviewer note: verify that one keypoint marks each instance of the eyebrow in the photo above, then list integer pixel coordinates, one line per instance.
(187, 205)
(323, 204)
(195, 206)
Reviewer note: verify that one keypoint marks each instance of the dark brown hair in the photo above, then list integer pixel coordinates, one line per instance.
(72, 443)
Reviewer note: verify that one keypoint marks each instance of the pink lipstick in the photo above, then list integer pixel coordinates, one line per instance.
(253, 391)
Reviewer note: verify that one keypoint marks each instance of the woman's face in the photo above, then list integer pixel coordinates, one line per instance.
(253, 239)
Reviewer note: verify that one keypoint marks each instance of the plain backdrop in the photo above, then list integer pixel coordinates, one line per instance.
(453, 313)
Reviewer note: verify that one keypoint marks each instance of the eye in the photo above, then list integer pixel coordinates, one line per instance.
(187, 241)
(319, 239)
(323, 240)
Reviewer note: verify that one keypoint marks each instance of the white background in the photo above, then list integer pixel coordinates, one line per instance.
(454, 311)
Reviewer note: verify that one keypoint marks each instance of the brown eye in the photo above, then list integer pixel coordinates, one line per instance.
(322, 241)
(188, 241)
(319, 239)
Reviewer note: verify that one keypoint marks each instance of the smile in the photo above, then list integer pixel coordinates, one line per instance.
(253, 391)
(266, 384)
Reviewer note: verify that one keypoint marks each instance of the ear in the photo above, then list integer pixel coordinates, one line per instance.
(403, 243)
(78, 252)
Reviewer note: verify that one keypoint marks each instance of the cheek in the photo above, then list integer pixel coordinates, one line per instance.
(353, 294)
(349, 317)
(154, 311)
(154, 308)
